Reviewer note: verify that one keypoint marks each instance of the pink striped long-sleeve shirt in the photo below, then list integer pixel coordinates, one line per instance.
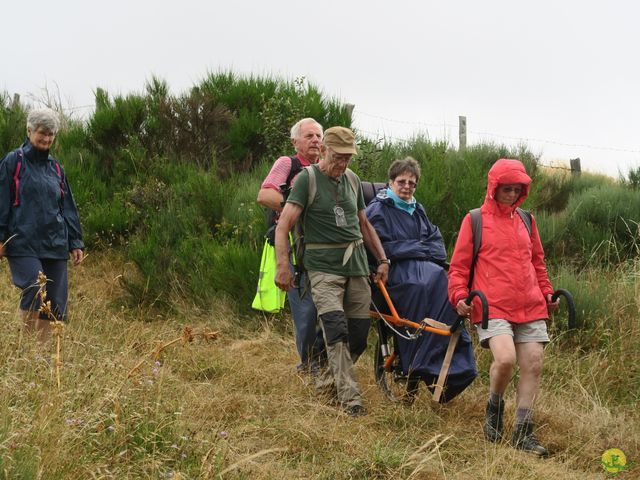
(280, 171)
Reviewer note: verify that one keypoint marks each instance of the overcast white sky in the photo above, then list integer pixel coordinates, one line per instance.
(549, 72)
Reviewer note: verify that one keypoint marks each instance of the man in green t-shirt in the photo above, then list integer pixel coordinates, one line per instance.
(336, 231)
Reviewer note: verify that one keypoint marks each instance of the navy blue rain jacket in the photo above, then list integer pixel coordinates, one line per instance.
(418, 287)
(45, 222)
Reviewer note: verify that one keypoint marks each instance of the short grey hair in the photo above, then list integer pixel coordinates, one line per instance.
(406, 165)
(295, 130)
(44, 118)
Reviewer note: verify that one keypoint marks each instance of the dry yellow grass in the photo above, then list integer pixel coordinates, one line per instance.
(235, 408)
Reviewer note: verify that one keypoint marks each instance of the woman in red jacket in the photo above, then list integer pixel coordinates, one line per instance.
(510, 270)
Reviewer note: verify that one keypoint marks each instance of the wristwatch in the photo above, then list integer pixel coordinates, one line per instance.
(384, 260)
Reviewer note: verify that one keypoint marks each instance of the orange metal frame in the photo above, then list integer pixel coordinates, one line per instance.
(395, 319)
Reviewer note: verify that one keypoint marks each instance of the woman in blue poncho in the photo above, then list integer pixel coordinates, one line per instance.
(417, 280)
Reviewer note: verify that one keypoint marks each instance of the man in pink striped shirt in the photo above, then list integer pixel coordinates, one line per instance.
(306, 138)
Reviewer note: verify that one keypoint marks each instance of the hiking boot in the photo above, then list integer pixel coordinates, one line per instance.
(524, 439)
(355, 411)
(493, 421)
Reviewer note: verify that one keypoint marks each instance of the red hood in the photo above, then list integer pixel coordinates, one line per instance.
(506, 171)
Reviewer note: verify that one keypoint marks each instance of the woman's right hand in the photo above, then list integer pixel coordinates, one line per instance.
(463, 309)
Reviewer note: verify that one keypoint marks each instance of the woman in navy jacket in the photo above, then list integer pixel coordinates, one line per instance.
(417, 280)
(39, 223)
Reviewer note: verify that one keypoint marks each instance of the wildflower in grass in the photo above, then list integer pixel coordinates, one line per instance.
(74, 422)
(223, 434)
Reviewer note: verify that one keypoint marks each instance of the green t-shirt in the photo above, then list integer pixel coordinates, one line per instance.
(319, 222)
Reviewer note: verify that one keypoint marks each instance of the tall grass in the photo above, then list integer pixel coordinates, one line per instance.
(166, 188)
(236, 405)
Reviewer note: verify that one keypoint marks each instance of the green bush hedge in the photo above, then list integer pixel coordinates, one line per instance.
(173, 179)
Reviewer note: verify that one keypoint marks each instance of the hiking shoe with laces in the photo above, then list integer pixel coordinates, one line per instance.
(355, 410)
(493, 421)
(524, 439)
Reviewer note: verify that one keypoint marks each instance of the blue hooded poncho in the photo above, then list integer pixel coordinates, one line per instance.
(418, 286)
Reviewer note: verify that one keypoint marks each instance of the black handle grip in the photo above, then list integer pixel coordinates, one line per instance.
(485, 306)
(571, 306)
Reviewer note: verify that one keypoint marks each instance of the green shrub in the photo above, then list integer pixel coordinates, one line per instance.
(603, 223)
(211, 269)
(13, 121)
(175, 177)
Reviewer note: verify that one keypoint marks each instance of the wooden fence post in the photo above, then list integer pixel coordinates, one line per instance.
(462, 133)
(575, 166)
(349, 107)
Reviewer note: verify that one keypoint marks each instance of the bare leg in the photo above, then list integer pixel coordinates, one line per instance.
(29, 321)
(530, 362)
(504, 360)
(530, 357)
(34, 324)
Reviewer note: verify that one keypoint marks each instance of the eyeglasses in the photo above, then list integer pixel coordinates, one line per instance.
(516, 190)
(406, 183)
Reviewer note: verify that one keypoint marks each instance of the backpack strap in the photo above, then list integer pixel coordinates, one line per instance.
(272, 215)
(353, 180)
(476, 231)
(313, 186)
(60, 176)
(525, 215)
(296, 168)
(19, 169)
(16, 178)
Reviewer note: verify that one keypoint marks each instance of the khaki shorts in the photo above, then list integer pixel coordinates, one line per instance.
(530, 332)
(351, 295)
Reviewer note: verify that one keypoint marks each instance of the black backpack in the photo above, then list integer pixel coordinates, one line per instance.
(285, 188)
(370, 190)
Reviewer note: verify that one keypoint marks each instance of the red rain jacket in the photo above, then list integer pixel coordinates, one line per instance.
(510, 268)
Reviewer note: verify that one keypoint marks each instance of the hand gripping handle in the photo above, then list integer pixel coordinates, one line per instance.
(485, 306)
(571, 306)
(485, 310)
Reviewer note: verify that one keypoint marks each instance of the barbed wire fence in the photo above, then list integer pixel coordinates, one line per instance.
(574, 163)
(461, 127)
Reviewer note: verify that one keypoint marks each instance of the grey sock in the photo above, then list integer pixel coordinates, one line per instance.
(495, 398)
(524, 415)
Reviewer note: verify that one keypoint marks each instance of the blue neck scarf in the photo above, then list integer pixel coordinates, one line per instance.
(408, 207)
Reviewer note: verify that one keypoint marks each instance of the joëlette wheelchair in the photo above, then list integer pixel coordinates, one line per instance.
(399, 385)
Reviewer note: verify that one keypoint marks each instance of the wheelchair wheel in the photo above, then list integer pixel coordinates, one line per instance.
(395, 385)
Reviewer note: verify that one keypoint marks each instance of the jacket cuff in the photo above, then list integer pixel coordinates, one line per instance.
(459, 297)
(76, 244)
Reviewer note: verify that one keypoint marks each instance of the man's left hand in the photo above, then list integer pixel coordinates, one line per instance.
(382, 273)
